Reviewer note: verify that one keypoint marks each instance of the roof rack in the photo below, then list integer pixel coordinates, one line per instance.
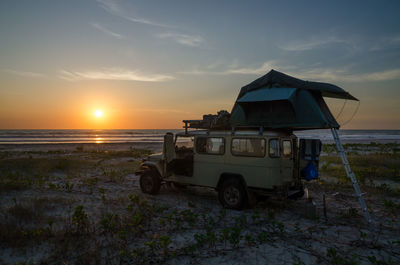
(220, 121)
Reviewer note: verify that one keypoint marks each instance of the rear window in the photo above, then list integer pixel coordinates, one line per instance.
(248, 147)
(210, 145)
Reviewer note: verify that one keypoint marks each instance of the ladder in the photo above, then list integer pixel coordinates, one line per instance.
(350, 174)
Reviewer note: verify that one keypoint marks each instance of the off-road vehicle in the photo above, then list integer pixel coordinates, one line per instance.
(237, 163)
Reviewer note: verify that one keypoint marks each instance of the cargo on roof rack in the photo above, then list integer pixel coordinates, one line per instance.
(220, 121)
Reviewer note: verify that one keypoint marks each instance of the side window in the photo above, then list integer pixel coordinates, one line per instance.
(248, 147)
(210, 145)
(287, 148)
(274, 148)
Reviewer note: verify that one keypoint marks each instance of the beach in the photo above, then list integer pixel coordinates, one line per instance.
(249, 99)
(69, 147)
(80, 203)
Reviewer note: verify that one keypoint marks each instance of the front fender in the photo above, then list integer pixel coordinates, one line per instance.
(146, 165)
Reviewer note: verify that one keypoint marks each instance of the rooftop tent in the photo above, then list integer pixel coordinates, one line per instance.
(275, 78)
(279, 101)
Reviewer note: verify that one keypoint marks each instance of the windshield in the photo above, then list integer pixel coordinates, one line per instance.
(184, 142)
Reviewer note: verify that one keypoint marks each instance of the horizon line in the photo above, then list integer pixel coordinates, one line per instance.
(15, 129)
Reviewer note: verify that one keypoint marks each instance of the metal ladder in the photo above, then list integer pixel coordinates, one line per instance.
(350, 174)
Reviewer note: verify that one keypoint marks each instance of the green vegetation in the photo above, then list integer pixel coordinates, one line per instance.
(109, 154)
(39, 165)
(370, 163)
(370, 147)
(145, 232)
(28, 223)
(81, 219)
(377, 166)
(335, 258)
(23, 170)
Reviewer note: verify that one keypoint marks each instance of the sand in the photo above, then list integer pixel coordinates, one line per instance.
(118, 224)
(155, 147)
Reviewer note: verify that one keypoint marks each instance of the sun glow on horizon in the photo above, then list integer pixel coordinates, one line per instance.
(98, 113)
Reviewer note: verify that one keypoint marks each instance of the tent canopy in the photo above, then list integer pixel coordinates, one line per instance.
(268, 94)
(279, 101)
(278, 79)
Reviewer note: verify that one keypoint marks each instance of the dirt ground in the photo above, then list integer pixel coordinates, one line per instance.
(84, 206)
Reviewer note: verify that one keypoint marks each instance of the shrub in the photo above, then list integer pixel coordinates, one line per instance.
(80, 220)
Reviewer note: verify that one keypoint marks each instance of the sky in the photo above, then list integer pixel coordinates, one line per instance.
(151, 64)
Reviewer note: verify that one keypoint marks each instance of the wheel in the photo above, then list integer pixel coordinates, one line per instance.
(232, 194)
(150, 182)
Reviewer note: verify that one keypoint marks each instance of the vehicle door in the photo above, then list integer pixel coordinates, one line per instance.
(183, 162)
(287, 159)
(247, 158)
(309, 151)
(209, 159)
(273, 162)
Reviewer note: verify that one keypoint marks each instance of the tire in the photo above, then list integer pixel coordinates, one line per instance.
(150, 182)
(232, 194)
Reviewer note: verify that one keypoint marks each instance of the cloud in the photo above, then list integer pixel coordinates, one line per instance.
(24, 73)
(113, 8)
(341, 75)
(187, 40)
(265, 67)
(197, 72)
(234, 69)
(366, 44)
(395, 39)
(385, 43)
(312, 43)
(320, 73)
(113, 74)
(384, 75)
(107, 31)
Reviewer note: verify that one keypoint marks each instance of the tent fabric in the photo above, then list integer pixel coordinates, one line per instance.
(279, 101)
(302, 111)
(278, 79)
(268, 94)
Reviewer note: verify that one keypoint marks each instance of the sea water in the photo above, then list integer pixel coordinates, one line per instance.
(81, 136)
(156, 136)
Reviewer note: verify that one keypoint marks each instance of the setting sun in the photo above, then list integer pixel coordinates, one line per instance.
(98, 113)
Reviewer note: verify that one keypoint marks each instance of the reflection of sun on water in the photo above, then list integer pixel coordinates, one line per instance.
(98, 140)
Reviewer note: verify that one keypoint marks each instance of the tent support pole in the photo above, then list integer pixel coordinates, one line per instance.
(350, 174)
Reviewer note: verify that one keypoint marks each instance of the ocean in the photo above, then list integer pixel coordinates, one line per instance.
(156, 136)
